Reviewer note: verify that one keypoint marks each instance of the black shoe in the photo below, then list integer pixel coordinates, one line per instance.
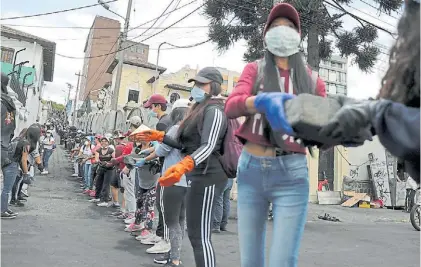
(163, 258)
(216, 231)
(20, 198)
(170, 264)
(16, 203)
(6, 215)
(224, 228)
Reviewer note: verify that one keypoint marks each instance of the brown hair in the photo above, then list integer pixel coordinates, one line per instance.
(401, 82)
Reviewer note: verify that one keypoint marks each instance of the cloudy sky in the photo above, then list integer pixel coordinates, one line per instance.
(72, 28)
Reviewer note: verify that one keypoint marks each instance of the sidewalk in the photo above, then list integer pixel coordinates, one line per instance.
(58, 227)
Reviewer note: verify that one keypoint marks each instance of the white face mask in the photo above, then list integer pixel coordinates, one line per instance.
(86, 143)
(282, 41)
(48, 135)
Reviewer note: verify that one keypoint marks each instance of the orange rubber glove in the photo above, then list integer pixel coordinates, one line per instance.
(174, 173)
(147, 136)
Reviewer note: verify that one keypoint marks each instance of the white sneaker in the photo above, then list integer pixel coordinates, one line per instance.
(75, 175)
(95, 200)
(159, 248)
(151, 240)
(130, 220)
(44, 172)
(102, 204)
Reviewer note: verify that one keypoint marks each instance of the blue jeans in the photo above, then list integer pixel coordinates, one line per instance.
(87, 171)
(46, 157)
(221, 208)
(282, 181)
(10, 172)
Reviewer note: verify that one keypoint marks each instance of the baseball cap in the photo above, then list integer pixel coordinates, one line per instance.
(135, 120)
(283, 10)
(208, 75)
(181, 103)
(105, 138)
(155, 99)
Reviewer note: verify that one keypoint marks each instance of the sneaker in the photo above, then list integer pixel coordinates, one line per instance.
(12, 213)
(6, 215)
(145, 234)
(16, 203)
(152, 240)
(102, 204)
(86, 191)
(171, 264)
(159, 248)
(95, 200)
(117, 213)
(115, 205)
(92, 193)
(130, 220)
(224, 228)
(162, 259)
(44, 172)
(134, 227)
(216, 231)
(123, 216)
(75, 175)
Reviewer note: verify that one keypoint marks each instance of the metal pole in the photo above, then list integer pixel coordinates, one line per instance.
(114, 104)
(75, 104)
(156, 67)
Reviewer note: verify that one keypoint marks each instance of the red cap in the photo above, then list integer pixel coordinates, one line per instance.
(283, 10)
(155, 99)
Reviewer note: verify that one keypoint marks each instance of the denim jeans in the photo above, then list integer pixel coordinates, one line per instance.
(87, 170)
(46, 157)
(221, 208)
(10, 172)
(282, 181)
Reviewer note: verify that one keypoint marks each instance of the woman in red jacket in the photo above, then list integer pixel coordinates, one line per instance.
(272, 167)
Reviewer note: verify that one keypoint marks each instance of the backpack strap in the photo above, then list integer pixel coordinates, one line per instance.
(259, 77)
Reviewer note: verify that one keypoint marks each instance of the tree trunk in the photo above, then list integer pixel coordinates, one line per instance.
(313, 58)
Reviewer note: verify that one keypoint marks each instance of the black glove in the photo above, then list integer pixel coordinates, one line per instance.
(26, 178)
(352, 121)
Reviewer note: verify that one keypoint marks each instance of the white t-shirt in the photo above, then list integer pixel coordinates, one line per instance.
(87, 151)
(47, 142)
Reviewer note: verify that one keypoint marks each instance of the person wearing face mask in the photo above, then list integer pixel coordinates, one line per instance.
(48, 144)
(157, 105)
(272, 167)
(87, 152)
(200, 137)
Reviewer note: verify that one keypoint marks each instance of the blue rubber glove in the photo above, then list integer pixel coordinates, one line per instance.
(272, 105)
(140, 163)
(145, 152)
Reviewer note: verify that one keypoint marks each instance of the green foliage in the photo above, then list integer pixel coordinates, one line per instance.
(54, 105)
(233, 20)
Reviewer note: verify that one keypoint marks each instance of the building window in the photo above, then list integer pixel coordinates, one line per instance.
(340, 89)
(324, 73)
(337, 65)
(174, 97)
(7, 54)
(225, 82)
(332, 75)
(341, 77)
(332, 89)
(133, 96)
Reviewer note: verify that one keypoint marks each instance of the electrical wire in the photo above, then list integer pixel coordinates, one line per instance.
(98, 28)
(58, 11)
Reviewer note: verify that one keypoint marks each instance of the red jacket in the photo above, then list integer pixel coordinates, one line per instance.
(252, 129)
(127, 150)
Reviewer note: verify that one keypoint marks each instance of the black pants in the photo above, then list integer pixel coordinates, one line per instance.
(160, 229)
(94, 173)
(17, 187)
(102, 185)
(199, 209)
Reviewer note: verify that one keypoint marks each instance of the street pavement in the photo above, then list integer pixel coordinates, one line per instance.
(58, 227)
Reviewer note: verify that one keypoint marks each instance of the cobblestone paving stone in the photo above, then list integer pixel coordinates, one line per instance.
(58, 227)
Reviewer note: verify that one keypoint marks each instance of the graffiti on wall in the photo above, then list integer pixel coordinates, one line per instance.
(380, 179)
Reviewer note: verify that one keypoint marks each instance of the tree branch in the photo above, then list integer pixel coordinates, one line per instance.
(334, 32)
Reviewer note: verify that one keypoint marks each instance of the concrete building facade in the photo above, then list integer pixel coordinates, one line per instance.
(102, 39)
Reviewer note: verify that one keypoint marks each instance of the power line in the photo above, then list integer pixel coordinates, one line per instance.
(100, 28)
(153, 35)
(57, 12)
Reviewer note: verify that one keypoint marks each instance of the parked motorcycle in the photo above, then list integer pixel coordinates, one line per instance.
(416, 210)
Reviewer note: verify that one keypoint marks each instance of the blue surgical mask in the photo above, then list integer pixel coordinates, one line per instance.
(198, 94)
(152, 113)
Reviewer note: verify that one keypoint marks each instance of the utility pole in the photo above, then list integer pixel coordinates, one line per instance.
(156, 67)
(76, 95)
(123, 38)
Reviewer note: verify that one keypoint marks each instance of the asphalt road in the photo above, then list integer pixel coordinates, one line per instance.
(58, 227)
